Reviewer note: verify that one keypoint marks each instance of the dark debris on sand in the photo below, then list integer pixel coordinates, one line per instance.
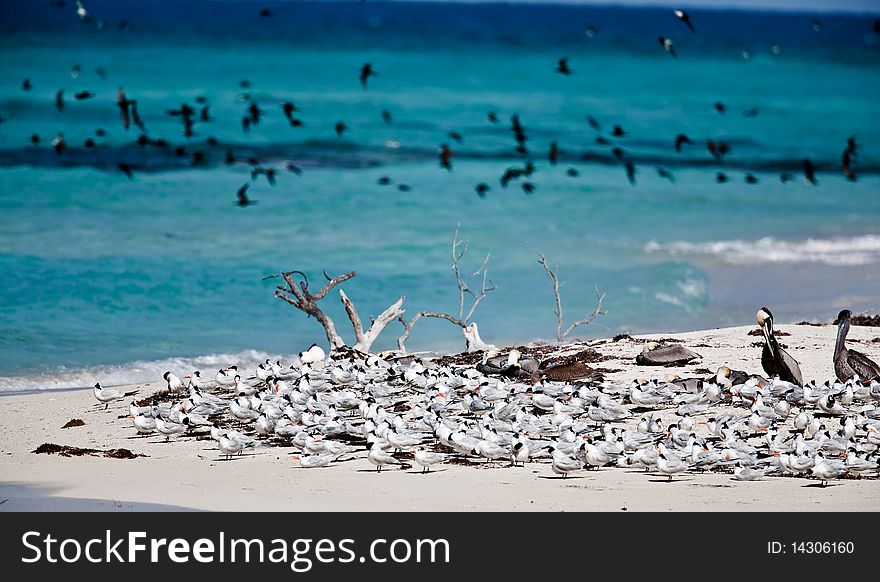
(74, 422)
(776, 333)
(68, 451)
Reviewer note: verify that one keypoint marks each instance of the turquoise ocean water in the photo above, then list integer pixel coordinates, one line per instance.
(116, 279)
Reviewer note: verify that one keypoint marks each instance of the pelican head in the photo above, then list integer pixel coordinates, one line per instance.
(844, 315)
(763, 315)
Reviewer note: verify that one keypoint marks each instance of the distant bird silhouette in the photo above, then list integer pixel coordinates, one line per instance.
(35, 139)
(457, 137)
(786, 177)
(553, 154)
(667, 44)
(135, 117)
(89, 143)
(367, 72)
(291, 167)
(230, 157)
(446, 157)
(809, 172)
(265, 13)
(384, 181)
(515, 173)
(572, 172)
(617, 131)
(617, 152)
(340, 128)
(562, 67)
(751, 179)
(59, 100)
(593, 123)
(243, 199)
(122, 104)
(518, 133)
(630, 173)
(720, 107)
(684, 17)
(83, 95)
(680, 140)
(268, 172)
(26, 85)
(721, 177)
(528, 187)
(58, 143)
(126, 169)
(481, 189)
(664, 173)
(602, 140)
(492, 117)
(404, 187)
(386, 117)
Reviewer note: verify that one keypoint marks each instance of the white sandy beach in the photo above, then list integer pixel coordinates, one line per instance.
(188, 473)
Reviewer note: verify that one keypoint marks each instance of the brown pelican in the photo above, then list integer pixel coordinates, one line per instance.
(673, 355)
(849, 363)
(775, 360)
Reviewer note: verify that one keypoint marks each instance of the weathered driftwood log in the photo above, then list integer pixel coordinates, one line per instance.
(554, 280)
(297, 294)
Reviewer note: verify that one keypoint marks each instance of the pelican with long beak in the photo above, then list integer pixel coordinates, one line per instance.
(849, 363)
(775, 360)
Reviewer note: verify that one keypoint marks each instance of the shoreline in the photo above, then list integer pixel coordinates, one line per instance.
(187, 473)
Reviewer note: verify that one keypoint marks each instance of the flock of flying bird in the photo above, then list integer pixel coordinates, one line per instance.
(190, 115)
(511, 408)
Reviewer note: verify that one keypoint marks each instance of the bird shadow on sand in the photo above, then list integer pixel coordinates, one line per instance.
(820, 486)
(561, 478)
(664, 480)
(431, 472)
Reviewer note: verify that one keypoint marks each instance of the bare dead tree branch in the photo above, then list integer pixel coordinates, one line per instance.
(554, 280)
(364, 340)
(465, 289)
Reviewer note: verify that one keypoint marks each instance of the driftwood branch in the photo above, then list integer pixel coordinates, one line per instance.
(465, 288)
(296, 292)
(554, 280)
(364, 340)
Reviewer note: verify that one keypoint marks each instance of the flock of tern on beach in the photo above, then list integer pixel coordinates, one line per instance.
(513, 409)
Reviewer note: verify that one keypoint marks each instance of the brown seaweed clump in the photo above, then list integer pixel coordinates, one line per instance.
(68, 451)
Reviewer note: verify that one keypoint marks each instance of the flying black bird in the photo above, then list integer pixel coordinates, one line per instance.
(135, 117)
(528, 187)
(786, 177)
(667, 44)
(89, 143)
(82, 95)
(243, 199)
(404, 187)
(386, 117)
(35, 139)
(618, 131)
(126, 169)
(100, 132)
(721, 177)
(617, 152)
(572, 172)
(553, 154)
(230, 157)
(809, 172)
(288, 108)
(204, 114)
(454, 135)
(515, 173)
(291, 167)
(26, 85)
(122, 103)
(593, 123)
(751, 179)
(492, 117)
(340, 128)
(367, 72)
(680, 140)
(268, 172)
(446, 157)
(684, 17)
(664, 173)
(384, 181)
(481, 189)
(59, 100)
(602, 140)
(630, 173)
(720, 107)
(562, 67)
